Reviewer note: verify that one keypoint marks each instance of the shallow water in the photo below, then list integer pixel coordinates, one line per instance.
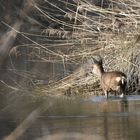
(91, 119)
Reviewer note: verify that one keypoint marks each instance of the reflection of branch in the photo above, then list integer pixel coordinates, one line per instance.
(8, 39)
(48, 50)
(11, 87)
(29, 120)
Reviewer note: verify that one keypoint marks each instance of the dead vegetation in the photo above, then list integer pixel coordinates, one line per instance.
(70, 31)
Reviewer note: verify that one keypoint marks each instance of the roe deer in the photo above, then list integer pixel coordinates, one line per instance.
(110, 81)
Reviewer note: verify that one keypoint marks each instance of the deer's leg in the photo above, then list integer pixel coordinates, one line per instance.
(106, 93)
(122, 92)
(122, 95)
(115, 92)
(123, 89)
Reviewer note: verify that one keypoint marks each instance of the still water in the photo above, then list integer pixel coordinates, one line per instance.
(79, 119)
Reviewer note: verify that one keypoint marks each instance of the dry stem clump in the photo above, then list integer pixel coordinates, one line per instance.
(66, 32)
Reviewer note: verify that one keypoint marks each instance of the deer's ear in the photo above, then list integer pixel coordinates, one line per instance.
(98, 59)
(101, 62)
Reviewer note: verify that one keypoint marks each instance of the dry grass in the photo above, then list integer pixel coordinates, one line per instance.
(112, 32)
(80, 29)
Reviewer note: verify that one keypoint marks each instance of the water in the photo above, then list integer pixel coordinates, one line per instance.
(91, 119)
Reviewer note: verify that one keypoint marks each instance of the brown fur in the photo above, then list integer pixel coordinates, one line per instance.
(110, 81)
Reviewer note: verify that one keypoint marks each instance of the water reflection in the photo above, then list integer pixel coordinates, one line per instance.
(82, 119)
